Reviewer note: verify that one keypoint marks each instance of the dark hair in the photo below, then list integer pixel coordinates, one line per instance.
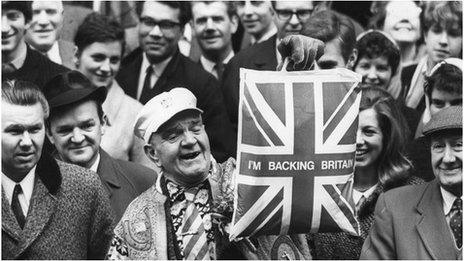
(24, 7)
(24, 93)
(393, 166)
(443, 13)
(98, 28)
(185, 13)
(231, 9)
(327, 25)
(375, 44)
(447, 78)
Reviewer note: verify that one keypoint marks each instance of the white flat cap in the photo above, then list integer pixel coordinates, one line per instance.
(162, 108)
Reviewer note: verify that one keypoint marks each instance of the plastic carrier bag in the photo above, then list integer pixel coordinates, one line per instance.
(296, 152)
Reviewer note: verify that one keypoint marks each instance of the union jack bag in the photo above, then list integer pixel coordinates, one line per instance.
(296, 152)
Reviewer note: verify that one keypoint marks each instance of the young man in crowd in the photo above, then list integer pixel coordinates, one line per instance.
(442, 29)
(75, 128)
(50, 209)
(213, 24)
(19, 61)
(428, 225)
(257, 19)
(44, 32)
(158, 66)
(289, 19)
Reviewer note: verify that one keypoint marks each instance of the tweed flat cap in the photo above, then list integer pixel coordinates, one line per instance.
(446, 119)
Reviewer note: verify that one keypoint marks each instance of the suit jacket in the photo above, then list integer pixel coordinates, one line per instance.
(414, 228)
(36, 68)
(69, 216)
(261, 56)
(182, 72)
(123, 180)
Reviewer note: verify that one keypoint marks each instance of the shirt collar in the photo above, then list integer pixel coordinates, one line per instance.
(54, 53)
(357, 194)
(278, 56)
(19, 61)
(265, 36)
(448, 200)
(158, 68)
(208, 65)
(27, 185)
(94, 166)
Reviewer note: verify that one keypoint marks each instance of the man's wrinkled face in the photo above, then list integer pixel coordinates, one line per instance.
(76, 133)
(13, 29)
(159, 30)
(290, 16)
(256, 16)
(23, 134)
(47, 21)
(181, 148)
(446, 156)
(213, 26)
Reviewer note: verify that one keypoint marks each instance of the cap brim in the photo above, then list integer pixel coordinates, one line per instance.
(177, 113)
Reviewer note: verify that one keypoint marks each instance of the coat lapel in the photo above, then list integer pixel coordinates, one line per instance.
(107, 173)
(9, 223)
(263, 60)
(41, 210)
(171, 68)
(432, 226)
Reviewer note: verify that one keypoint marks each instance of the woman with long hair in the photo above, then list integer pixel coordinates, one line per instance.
(380, 165)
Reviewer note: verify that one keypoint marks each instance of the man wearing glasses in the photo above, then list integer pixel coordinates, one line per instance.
(289, 20)
(158, 66)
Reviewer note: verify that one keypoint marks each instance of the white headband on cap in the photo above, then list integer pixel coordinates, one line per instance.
(453, 61)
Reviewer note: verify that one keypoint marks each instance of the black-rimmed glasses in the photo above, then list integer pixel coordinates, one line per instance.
(164, 25)
(287, 14)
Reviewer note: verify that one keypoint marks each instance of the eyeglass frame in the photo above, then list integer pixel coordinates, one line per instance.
(152, 23)
(293, 12)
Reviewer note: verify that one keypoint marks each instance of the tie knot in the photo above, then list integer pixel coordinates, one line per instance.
(17, 190)
(457, 205)
(149, 69)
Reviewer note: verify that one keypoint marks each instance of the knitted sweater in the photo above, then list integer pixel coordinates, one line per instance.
(343, 245)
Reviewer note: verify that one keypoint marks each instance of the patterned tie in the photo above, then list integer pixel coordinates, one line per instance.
(456, 221)
(194, 236)
(16, 206)
(147, 88)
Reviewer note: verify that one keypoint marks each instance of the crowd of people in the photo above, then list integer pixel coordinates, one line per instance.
(120, 119)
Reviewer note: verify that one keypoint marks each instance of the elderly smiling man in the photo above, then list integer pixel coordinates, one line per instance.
(175, 218)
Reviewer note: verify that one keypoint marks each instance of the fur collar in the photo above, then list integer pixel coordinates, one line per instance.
(49, 173)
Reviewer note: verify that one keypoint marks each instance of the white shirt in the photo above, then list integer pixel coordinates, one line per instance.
(158, 69)
(265, 36)
(278, 56)
(54, 53)
(27, 185)
(208, 65)
(357, 194)
(94, 166)
(448, 200)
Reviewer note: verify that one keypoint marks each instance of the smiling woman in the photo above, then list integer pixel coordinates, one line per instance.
(100, 44)
(380, 166)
